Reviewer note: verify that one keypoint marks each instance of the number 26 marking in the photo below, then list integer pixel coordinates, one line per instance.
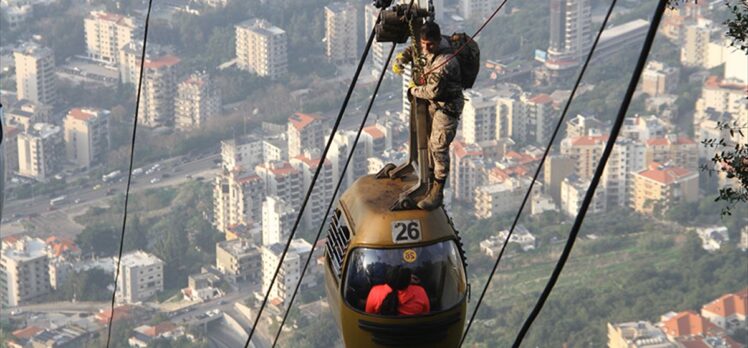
(406, 231)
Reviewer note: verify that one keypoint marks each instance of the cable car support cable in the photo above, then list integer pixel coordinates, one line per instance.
(598, 171)
(314, 180)
(129, 172)
(540, 166)
(335, 193)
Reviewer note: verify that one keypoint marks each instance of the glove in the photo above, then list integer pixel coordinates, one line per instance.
(411, 84)
(398, 68)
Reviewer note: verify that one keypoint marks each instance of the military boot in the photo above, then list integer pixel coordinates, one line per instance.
(433, 198)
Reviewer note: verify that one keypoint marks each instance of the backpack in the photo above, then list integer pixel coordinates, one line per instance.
(469, 58)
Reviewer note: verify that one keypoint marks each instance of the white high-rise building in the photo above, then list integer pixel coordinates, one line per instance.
(466, 170)
(307, 164)
(261, 48)
(474, 9)
(252, 149)
(106, 33)
(570, 33)
(277, 220)
(694, 47)
(304, 132)
(86, 136)
(479, 115)
(289, 273)
(196, 102)
(379, 50)
(141, 277)
(24, 270)
(538, 118)
(35, 74)
(341, 147)
(158, 91)
(341, 32)
(283, 180)
(41, 151)
(237, 200)
(573, 190)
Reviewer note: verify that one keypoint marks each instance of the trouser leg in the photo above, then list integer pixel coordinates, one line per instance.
(443, 130)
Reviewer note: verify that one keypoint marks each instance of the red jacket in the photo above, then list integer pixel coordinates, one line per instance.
(413, 300)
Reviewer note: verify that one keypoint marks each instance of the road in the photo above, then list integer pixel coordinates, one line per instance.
(92, 194)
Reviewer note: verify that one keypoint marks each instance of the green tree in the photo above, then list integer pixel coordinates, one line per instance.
(88, 285)
(100, 239)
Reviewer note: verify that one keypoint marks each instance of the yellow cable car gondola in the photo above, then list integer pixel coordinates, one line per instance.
(380, 244)
(367, 241)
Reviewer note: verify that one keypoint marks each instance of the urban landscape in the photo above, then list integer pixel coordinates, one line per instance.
(237, 100)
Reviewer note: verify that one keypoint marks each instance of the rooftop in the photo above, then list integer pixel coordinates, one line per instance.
(24, 248)
(161, 62)
(300, 120)
(139, 258)
(43, 130)
(34, 50)
(84, 114)
(238, 247)
(667, 175)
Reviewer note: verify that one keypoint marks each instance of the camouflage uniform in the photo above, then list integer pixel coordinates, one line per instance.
(443, 91)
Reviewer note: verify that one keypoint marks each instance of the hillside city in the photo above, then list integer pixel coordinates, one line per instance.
(236, 104)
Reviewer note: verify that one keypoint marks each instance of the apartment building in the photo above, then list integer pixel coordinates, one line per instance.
(661, 185)
(307, 164)
(500, 198)
(694, 46)
(573, 190)
(249, 150)
(677, 150)
(658, 78)
(106, 33)
(237, 200)
(479, 115)
(196, 102)
(379, 50)
(304, 132)
(24, 271)
(475, 9)
(641, 128)
(261, 48)
(539, 118)
(729, 311)
(341, 146)
(585, 125)
(570, 33)
(290, 271)
(640, 334)
(158, 91)
(35, 74)
(509, 119)
(278, 218)
(466, 170)
(86, 136)
(41, 151)
(283, 180)
(341, 32)
(141, 277)
(239, 259)
(10, 150)
(586, 152)
(555, 169)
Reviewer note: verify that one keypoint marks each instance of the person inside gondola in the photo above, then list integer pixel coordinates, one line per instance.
(408, 298)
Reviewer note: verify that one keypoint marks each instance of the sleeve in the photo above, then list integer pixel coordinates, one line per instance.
(371, 300)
